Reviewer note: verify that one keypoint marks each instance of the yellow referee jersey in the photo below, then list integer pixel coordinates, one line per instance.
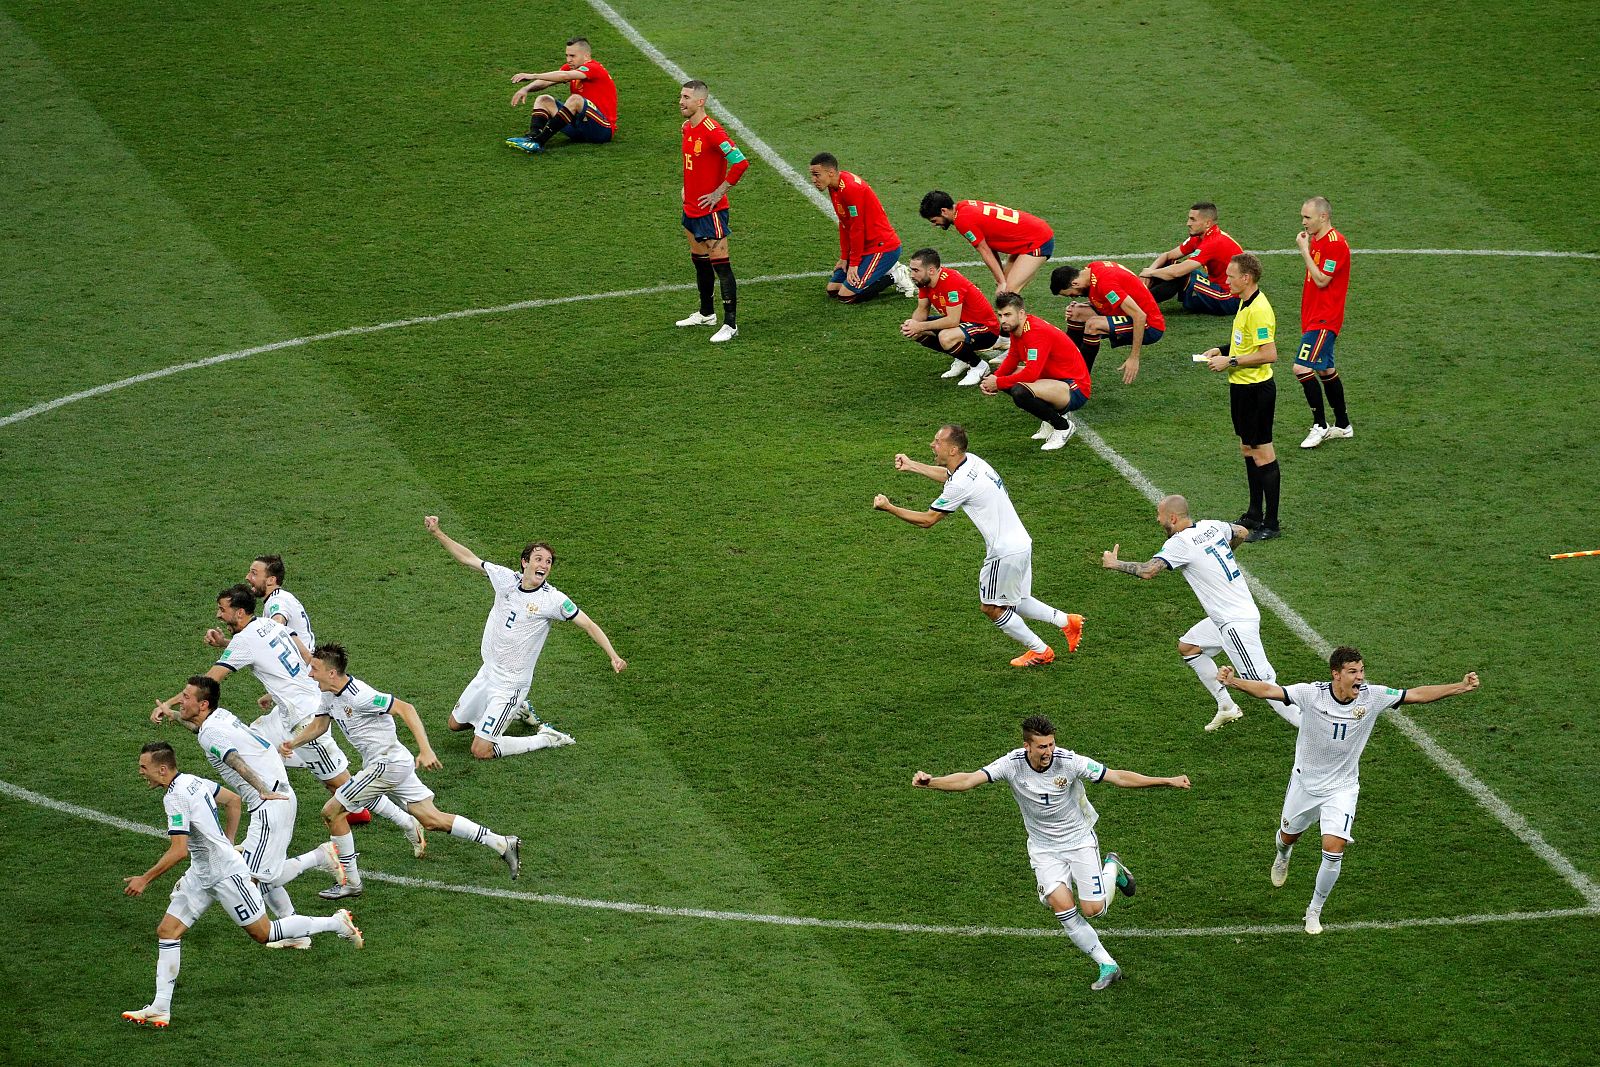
(1254, 325)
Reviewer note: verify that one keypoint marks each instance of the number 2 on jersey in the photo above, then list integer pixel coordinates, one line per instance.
(1225, 562)
(1004, 214)
(284, 652)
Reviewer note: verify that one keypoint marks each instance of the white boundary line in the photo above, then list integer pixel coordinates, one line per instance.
(1443, 759)
(626, 907)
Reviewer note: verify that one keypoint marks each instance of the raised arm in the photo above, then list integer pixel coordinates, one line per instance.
(164, 708)
(459, 552)
(923, 519)
(406, 712)
(1135, 780)
(903, 462)
(1427, 694)
(959, 782)
(1148, 569)
(1260, 690)
(598, 636)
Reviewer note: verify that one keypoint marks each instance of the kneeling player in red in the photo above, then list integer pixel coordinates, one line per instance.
(966, 324)
(1120, 307)
(1043, 372)
(589, 113)
(712, 164)
(869, 249)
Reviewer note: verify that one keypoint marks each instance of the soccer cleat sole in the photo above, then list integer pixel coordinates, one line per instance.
(343, 891)
(1031, 658)
(513, 856)
(146, 1017)
(1108, 979)
(1130, 887)
(1073, 631)
(419, 844)
(300, 944)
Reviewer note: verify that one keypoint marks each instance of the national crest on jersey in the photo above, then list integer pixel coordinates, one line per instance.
(1055, 809)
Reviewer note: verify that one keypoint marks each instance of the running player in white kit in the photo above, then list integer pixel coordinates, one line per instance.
(1005, 582)
(1063, 848)
(1336, 719)
(216, 873)
(1203, 551)
(366, 717)
(525, 605)
(251, 767)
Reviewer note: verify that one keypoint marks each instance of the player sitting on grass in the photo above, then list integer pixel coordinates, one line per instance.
(589, 113)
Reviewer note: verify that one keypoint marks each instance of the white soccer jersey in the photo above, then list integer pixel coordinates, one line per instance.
(267, 648)
(975, 488)
(1055, 809)
(282, 602)
(192, 809)
(1203, 554)
(221, 734)
(514, 633)
(366, 717)
(1327, 755)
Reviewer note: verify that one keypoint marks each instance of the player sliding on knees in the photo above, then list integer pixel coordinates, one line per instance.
(1005, 581)
(216, 873)
(1063, 848)
(525, 605)
(1336, 719)
(589, 112)
(366, 717)
(869, 249)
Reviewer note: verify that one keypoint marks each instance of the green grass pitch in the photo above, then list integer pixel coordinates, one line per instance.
(182, 181)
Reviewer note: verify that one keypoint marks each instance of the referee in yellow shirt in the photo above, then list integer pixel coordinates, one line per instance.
(1248, 359)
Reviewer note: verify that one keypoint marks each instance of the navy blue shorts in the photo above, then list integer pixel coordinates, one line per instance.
(1203, 295)
(979, 337)
(1316, 350)
(1122, 331)
(1046, 250)
(712, 227)
(873, 268)
(589, 127)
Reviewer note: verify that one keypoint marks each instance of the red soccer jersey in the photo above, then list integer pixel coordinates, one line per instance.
(597, 88)
(1213, 249)
(1040, 350)
(1323, 309)
(1111, 287)
(1006, 229)
(709, 158)
(864, 227)
(951, 288)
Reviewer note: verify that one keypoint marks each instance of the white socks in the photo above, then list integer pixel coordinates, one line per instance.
(304, 926)
(1012, 626)
(394, 813)
(278, 900)
(1284, 847)
(295, 866)
(167, 959)
(346, 845)
(1205, 668)
(1042, 612)
(1083, 936)
(468, 830)
(1327, 874)
(515, 746)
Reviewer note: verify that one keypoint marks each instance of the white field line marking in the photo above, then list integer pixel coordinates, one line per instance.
(1446, 762)
(552, 301)
(40, 800)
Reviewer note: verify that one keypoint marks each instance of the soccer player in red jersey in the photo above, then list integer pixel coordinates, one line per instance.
(589, 113)
(712, 164)
(1196, 271)
(1043, 372)
(966, 324)
(1120, 306)
(869, 249)
(1026, 240)
(1327, 258)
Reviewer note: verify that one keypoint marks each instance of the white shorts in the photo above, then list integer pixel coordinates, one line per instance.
(266, 839)
(237, 894)
(393, 779)
(322, 757)
(1070, 867)
(1006, 580)
(1240, 640)
(486, 704)
(1335, 814)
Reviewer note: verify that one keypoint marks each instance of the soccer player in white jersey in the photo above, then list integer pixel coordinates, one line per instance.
(1005, 581)
(525, 605)
(216, 873)
(250, 765)
(1336, 719)
(387, 769)
(265, 579)
(271, 651)
(1063, 847)
(1203, 551)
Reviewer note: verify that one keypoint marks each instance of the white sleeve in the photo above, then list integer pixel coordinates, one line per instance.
(177, 815)
(1387, 698)
(502, 578)
(1176, 553)
(1088, 769)
(1000, 770)
(237, 655)
(1301, 694)
(954, 495)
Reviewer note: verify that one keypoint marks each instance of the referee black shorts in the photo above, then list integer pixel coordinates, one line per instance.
(1253, 406)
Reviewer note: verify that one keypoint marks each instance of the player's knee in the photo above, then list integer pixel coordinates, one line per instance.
(1090, 908)
(331, 811)
(1185, 649)
(1328, 375)
(950, 340)
(456, 727)
(482, 749)
(575, 105)
(546, 102)
(993, 611)
(169, 929)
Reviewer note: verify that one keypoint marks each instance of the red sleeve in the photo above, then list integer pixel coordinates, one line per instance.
(1006, 375)
(736, 171)
(858, 225)
(970, 223)
(842, 213)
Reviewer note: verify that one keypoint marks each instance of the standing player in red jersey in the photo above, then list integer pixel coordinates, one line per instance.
(588, 114)
(1043, 372)
(1196, 271)
(1327, 258)
(1120, 307)
(712, 164)
(1027, 240)
(966, 324)
(869, 249)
